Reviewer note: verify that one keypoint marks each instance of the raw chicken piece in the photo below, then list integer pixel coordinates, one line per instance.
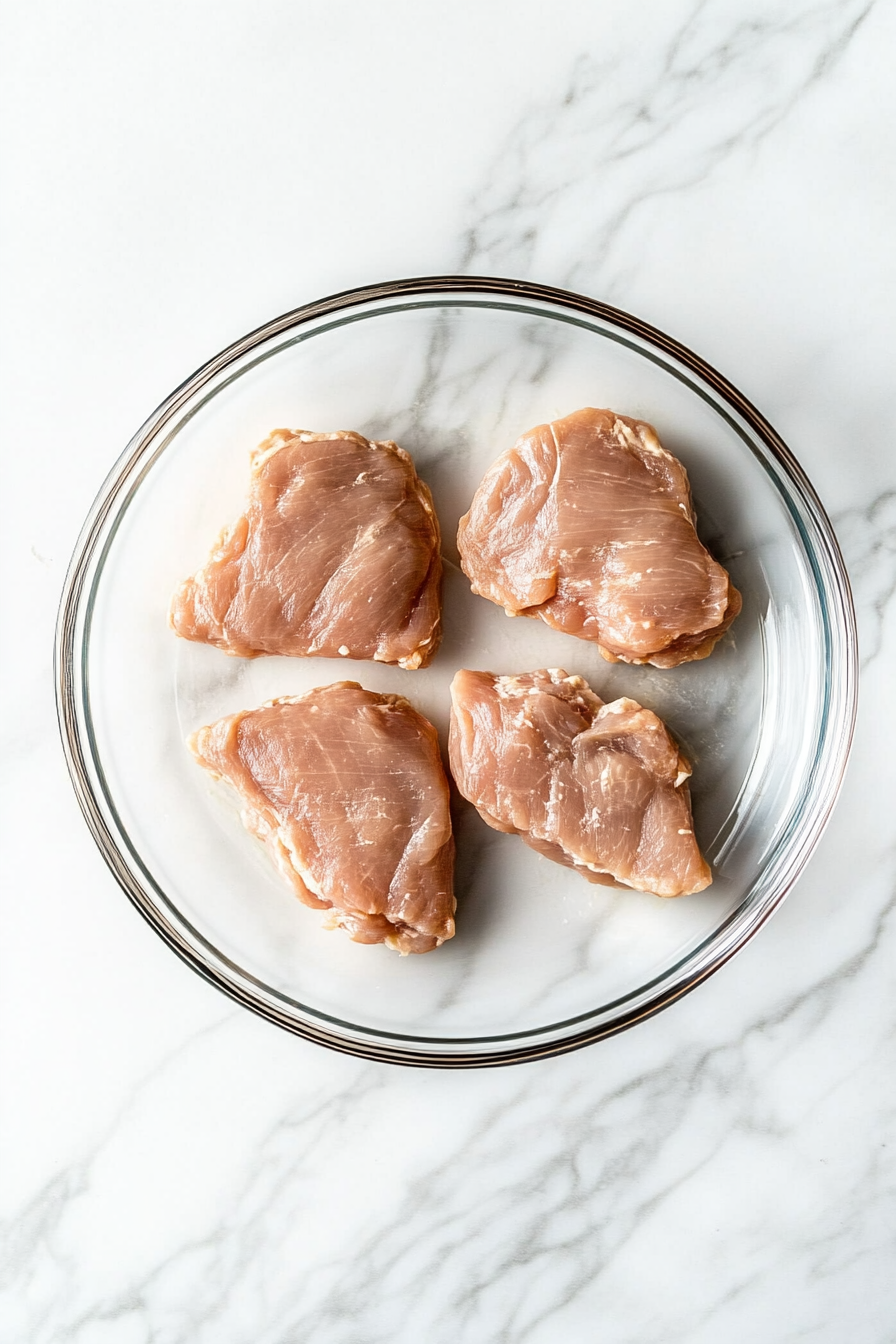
(587, 523)
(348, 792)
(600, 788)
(336, 555)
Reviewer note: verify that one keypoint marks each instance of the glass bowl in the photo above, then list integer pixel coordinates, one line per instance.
(454, 368)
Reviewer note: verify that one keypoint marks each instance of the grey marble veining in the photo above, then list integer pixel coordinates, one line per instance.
(868, 538)
(642, 121)
(577, 1171)
(184, 1174)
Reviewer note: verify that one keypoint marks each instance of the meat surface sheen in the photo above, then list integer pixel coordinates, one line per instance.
(347, 790)
(587, 523)
(599, 788)
(337, 554)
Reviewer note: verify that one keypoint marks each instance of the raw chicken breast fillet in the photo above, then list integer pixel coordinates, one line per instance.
(599, 788)
(347, 790)
(587, 523)
(336, 555)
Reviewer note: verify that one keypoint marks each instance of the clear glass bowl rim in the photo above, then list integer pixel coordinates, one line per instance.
(835, 739)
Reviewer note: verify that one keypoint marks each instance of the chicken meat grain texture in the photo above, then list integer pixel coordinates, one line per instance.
(347, 790)
(336, 555)
(601, 788)
(587, 523)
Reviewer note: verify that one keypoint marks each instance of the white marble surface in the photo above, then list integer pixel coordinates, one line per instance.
(179, 1172)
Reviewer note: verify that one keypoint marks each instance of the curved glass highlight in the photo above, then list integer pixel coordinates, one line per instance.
(455, 368)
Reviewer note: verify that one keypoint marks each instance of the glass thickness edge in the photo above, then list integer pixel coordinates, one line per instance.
(86, 556)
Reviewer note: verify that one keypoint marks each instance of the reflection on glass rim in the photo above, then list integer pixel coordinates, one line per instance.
(794, 846)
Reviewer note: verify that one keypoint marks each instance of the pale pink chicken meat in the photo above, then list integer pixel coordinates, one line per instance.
(601, 788)
(347, 790)
(336, 555)
(588, 524)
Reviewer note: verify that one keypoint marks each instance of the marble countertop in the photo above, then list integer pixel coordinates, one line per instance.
(177, 1171)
